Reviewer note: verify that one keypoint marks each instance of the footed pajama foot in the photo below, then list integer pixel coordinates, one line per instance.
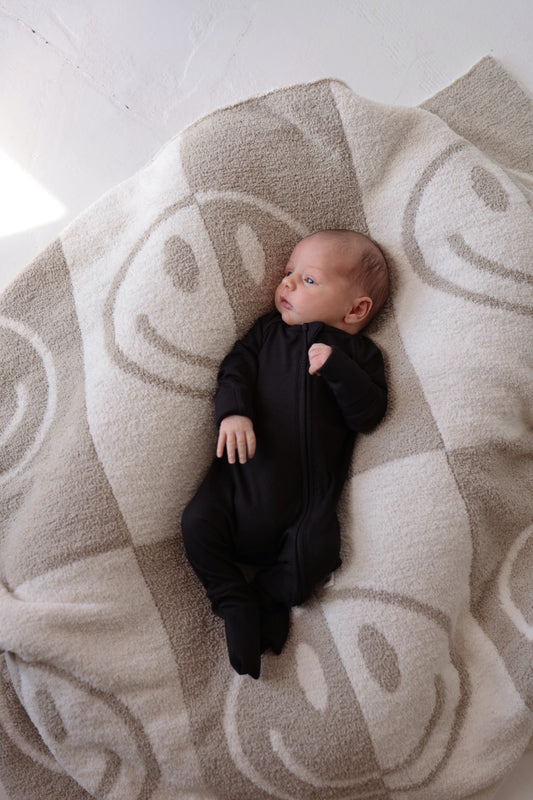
(243, 638)
(274, 628)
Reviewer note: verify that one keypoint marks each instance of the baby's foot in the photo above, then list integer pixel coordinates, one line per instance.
(274, 627)
(243, 637)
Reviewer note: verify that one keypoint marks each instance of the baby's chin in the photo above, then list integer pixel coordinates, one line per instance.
(287, 314)
(289, 317)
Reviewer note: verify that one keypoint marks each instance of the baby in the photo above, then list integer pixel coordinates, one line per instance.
(292, 394)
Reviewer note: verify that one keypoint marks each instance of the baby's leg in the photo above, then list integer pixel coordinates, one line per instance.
(206, 530)
(275, 620)
(310, 552)
(243, 637)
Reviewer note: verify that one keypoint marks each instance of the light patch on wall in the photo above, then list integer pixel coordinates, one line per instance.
(24, 203)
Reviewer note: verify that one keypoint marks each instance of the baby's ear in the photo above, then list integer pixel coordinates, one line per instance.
(359, 311)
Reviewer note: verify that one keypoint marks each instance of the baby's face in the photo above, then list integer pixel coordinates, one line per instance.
(315, 287)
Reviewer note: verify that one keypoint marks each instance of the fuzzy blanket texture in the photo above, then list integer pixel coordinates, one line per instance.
(410, 677)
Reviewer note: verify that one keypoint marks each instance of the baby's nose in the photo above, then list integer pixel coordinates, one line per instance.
(287, 282)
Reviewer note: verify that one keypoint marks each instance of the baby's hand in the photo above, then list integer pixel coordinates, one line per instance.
(318, 355)
(236, 435)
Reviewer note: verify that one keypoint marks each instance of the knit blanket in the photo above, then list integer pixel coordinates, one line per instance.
(409, 676)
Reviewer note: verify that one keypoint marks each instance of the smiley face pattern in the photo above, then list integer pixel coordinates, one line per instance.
(409, 676)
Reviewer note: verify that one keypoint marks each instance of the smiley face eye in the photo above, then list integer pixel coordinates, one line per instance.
(380, 658)
(489, 189)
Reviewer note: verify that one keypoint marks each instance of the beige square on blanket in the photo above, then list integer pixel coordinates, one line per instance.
(410, 676)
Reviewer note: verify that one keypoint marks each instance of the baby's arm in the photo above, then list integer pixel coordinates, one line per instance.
(236, 436)
(358, 382)
(234, 400)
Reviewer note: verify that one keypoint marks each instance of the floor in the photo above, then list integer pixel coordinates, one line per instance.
(91, 89)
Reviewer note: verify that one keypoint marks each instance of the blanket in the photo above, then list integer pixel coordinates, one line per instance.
(409, 676)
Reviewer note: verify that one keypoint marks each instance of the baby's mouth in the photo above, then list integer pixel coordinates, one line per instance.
(285, 303)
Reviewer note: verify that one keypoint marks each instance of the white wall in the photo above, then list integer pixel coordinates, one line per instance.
(90, 89)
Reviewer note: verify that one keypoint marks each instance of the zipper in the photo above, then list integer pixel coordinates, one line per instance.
(305, 415)
(305, 447)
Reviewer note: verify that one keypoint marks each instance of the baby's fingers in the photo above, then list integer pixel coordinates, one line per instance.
(234, 444)
(232, 447)
(241, 448)
(250, 443)
(318, 355)
(245, 446)
(221, 443)
(237, 437)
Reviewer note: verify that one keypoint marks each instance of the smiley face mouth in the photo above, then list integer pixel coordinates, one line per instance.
(497, 200)
(441, 702)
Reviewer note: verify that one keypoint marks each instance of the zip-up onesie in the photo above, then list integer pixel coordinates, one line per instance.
(278, 510)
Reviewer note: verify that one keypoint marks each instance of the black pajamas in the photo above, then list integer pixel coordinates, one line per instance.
(278, 511)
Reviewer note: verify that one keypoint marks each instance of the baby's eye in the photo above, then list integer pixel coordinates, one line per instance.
(309, 280)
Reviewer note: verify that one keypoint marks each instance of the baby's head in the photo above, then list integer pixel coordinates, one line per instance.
(339, 277)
